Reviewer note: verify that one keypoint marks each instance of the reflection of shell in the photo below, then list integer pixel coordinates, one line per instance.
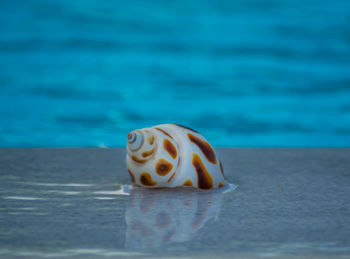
(170, 155)
(155, 218)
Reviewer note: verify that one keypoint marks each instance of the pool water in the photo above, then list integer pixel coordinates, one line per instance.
(244, 73)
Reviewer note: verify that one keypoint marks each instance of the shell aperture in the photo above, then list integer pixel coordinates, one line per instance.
(171, 155)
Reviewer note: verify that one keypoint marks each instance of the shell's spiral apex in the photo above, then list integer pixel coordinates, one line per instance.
(171, 155)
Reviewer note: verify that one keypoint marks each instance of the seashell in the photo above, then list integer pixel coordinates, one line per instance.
(171, 155)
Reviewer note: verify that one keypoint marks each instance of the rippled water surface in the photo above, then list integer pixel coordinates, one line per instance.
(244, 73)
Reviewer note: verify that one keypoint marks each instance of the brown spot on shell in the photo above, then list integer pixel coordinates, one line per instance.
(132, 176)
(188, 182)
(205, 147)
(181, 126)
(205, 181)
(150, 140)
(148, 153)
(146, 179)
(221, 185)
(221, 169)
(164, 132)
(171, 177)
(170, 148)
(138, 160)
(163, 167)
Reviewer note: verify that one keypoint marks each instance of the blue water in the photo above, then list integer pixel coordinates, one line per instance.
(243, 73)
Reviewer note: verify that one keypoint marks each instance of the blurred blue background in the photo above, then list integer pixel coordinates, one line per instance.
(244, 73)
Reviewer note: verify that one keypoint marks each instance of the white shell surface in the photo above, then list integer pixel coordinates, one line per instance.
(173, 155)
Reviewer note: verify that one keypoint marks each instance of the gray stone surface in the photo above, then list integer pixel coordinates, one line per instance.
(65, 202)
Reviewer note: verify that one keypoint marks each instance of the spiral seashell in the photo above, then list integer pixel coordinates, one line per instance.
(171, 155)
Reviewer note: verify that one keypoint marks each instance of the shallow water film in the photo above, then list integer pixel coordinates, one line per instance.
(69, 202)
(243, 73)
